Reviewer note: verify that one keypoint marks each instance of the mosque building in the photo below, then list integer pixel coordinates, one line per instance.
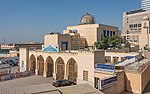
(71, 55)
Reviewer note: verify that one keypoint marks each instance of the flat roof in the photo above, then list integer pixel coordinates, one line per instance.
(138, 66)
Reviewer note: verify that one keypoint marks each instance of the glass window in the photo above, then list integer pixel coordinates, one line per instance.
(104, 32)
(107, 33)
(139, 25)
(113, 33)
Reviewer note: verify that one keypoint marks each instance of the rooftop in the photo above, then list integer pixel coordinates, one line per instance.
(138, 66)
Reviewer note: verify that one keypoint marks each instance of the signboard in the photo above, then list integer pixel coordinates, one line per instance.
(105, 67)
(107, 82)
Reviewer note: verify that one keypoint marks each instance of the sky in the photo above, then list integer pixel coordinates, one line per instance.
(28, 20)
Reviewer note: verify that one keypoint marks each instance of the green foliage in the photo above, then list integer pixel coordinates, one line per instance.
(111, 42)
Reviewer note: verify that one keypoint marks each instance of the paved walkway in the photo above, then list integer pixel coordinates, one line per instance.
(26, 81)
(42, 85)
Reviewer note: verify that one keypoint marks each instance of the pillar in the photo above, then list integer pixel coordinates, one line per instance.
(45, 69)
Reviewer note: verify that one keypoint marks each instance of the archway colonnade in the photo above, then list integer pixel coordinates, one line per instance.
(58, 69)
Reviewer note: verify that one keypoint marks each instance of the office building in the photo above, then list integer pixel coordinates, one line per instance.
(145, 4)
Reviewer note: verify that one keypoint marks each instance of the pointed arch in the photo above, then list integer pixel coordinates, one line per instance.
(32, 65)
(60, 68)
(40, 61)
(49, 66)
(72, 70)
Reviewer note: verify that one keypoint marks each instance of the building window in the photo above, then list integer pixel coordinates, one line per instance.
(131, 26)
(104, 32)
(135, 25)
(74, 31)
(113, 33)
(85, 75)
(139, 25)
(127, 31)
(107, 33)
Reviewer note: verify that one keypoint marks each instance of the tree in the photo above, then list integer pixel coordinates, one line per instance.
(111, 42)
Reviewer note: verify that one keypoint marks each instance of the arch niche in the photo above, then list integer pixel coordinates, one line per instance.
(72, 69)
(40, 61)
(60, 68)
(32, 65)
(49, 66)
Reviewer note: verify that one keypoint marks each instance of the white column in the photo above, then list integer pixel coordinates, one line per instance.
(45, 69)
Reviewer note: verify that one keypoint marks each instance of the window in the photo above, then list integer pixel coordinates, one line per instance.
(135, 25)
(104, 32)
(113, 33)
(139, 25)
(85, 75)
(131, 26)
(127, 31)
(107, 33)
(74, 31)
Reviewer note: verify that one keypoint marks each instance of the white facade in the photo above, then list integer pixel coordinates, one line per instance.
(145, 4)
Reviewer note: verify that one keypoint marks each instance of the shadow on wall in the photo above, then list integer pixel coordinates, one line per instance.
(127, 85)
(147, 89)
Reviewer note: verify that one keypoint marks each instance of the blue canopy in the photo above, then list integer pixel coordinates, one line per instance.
(50, 49)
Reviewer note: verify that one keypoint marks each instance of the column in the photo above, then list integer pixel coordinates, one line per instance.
(36, 70)
(45, 69)
(54, 73)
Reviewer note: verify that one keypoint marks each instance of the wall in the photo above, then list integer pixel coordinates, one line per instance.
(99, 56)
(119, 55)
(24, 57)
(145, 77)
(51, 39)
(85, 61)
(132, 82)
(117, 88)
(92, 32)
(64, 38)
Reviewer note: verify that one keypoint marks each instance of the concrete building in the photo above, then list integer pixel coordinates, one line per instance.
(136, 74)
(69, 55)
(82, 36)
(91, 31)
(136, 27)
(57, 59)
(145, 4)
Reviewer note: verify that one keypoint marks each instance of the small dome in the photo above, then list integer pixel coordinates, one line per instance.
(145, 18)
(87, 19)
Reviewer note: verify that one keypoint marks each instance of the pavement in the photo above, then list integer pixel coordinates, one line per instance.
(26, 81)
(41, 85)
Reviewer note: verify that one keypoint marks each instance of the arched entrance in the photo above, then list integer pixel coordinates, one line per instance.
(49, 66)
(32, 65)
(40, 61)
(72, 69)
(60, 68)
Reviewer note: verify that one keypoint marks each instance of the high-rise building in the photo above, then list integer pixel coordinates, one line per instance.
(136, 28)
(145, 4)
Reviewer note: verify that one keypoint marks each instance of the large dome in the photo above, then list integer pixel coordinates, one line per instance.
(87, 19)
